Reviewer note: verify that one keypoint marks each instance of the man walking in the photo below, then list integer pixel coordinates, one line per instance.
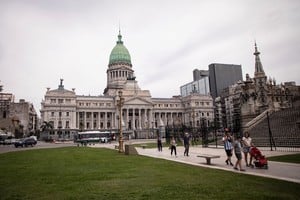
(186, 142)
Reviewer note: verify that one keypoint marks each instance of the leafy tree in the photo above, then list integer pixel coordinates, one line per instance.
(46, 129)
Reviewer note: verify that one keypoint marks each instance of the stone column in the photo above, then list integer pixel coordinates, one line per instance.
(77, 120)
(99, 114)
(133, 119)
(150, 118)
(140, 119)
(92, 118)
(126, 118)
(105, 120)
(146, 120)
(84, 120)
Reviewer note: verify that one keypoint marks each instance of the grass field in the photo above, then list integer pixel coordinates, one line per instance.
(293, 158)
(93, 173)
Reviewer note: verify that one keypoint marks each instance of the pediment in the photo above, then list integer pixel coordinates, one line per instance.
(137, 101)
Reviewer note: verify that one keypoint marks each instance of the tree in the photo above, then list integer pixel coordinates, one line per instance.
(46, 128)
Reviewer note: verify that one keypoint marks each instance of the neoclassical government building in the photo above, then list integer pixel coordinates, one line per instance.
(69, 113)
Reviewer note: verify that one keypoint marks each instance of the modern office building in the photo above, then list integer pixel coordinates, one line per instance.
(200, 86)
(141, 113)
(199, 74)
(223, 75)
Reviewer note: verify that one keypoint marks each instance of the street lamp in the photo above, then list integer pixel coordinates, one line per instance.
(120, 103)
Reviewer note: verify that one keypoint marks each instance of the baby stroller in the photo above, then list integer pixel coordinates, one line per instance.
(260, 161)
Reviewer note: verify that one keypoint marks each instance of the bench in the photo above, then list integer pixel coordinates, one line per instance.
(144, 146)
(116, 146)
(208, 157)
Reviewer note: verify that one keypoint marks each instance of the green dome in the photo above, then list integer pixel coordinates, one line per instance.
(119, 54)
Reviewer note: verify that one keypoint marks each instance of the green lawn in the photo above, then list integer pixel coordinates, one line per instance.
(293, 158)
(93, 173)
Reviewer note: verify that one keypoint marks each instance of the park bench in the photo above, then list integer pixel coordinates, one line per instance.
(144, 146)
(116, 146)
(208, 157)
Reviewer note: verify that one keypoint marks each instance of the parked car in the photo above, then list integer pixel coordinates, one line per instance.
(9, 141)
(25, 142)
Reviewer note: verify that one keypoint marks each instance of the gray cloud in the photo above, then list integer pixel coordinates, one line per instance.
(43, 41)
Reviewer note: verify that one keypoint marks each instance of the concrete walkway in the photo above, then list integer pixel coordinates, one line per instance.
(277, 170)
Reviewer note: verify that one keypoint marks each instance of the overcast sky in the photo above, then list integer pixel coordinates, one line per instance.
(42, 41)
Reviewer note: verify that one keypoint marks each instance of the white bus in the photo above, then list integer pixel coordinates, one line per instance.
(93, 137)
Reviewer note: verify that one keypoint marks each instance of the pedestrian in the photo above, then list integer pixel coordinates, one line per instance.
(173, 146)
(186, 143)
(238, 154)
(159, 143)
(227, 140)
(247, 144)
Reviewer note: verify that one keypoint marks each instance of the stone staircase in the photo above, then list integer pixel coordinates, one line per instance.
(284, 126)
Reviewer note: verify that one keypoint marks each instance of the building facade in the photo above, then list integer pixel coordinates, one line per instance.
(223, 75)
(141, 113)
(17, 119)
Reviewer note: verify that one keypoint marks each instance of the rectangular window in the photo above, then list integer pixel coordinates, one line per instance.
(67, 114)
(60, 100)
(52, 114)
(52, 100)
(67, 124)
(52, 123)
(59, 124)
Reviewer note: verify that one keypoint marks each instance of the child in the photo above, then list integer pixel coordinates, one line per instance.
(238, 154)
